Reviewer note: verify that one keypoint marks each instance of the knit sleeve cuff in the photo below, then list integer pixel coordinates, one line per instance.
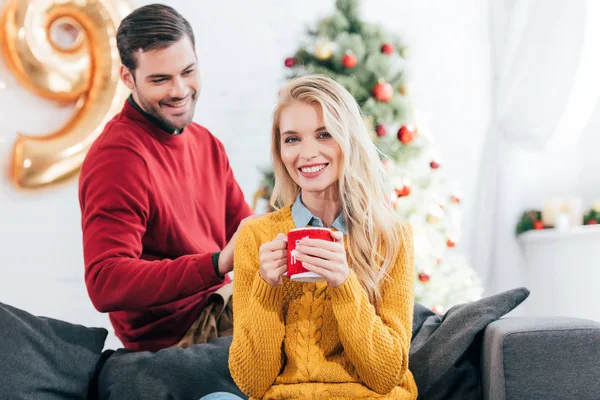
(270, 297)
(204, 262)
(348, 291)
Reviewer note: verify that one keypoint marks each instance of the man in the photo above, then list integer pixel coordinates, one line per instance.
(160, 204)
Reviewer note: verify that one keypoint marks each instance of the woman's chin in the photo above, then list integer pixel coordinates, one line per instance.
(316, 188)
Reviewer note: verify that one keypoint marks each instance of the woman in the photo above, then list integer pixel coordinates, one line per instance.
(348, 336)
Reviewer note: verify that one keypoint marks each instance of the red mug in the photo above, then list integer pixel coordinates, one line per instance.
(296, 271)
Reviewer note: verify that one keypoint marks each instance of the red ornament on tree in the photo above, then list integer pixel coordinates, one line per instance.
(380, 130)
(290, 62)
(424, 277)
(538, 225)
(434, 165)
(387, 48)
(349, 60)
(406, 133)
(592, 222)
(450, 243)
(383, 91)
(403, 191)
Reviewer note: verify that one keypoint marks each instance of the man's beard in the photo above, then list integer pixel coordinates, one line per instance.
(157, 112)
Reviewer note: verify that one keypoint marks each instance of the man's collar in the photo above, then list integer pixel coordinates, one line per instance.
(303, 217)
(165, 127)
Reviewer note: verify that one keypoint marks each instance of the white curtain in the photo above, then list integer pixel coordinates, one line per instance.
(545, 87)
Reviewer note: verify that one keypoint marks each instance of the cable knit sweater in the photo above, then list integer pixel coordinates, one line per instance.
(308, 340)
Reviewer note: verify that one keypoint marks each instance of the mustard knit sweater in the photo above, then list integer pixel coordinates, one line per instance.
(308, 340)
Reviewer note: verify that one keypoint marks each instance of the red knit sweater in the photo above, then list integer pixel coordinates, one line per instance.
(155, 207)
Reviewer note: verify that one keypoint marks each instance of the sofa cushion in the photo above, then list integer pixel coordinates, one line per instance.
(542, 358)
(46, 359)
(445, 350)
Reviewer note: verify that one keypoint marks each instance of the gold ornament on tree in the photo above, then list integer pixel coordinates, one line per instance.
(65, 51)
(435, 214)
(324, 50)
(402, 89)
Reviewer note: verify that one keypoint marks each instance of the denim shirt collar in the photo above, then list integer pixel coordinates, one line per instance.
(303, 217)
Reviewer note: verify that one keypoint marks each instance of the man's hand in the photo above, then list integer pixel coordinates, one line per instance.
(226, 256)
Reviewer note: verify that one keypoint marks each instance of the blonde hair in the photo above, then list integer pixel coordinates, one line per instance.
(376, 234)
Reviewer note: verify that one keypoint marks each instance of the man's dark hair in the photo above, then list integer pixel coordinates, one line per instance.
(150, 27)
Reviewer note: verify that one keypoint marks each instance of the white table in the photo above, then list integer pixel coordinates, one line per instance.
(563, 272)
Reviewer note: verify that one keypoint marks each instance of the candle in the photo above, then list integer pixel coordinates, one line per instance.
(574, 208)
(550, 211)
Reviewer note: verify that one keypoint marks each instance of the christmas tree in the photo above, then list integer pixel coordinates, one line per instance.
(370, 63)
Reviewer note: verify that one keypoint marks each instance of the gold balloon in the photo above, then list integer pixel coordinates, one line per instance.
(66, 51)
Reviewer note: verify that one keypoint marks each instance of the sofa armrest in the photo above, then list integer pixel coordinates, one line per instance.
(541, 358)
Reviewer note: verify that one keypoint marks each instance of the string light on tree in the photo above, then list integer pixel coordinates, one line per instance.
(441, 203)
(455, 198)
(438, 309)
(387, 164)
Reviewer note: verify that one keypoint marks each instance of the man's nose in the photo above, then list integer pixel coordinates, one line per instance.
(178, 89)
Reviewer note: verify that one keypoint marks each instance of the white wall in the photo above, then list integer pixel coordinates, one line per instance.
(588, 148)
(241, 47)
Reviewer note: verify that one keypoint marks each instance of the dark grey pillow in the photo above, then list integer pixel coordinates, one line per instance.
(445, 352)
(46, 359)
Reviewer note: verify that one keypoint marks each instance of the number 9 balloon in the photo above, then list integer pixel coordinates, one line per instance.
(66, 51)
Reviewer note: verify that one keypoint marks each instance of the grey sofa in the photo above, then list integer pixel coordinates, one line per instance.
(547, 358)
(475, 351)
(470, 352)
